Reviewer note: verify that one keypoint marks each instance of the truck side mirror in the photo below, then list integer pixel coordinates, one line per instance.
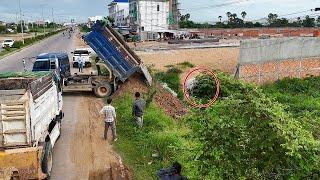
(71, 52)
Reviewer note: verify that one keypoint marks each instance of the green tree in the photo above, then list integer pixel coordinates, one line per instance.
(3, 29)
(318, 20)
(228, 15)
(243, 15)
(308, 22)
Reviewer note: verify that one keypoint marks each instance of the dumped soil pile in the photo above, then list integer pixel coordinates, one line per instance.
(91, 154)
(171, 105)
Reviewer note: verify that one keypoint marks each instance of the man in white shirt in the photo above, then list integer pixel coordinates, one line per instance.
(110, 120)
(80, 61)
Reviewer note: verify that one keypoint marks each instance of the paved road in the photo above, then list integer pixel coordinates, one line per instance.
(56, 43)
(63, 168)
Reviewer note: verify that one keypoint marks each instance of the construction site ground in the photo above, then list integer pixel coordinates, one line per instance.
(81, 152)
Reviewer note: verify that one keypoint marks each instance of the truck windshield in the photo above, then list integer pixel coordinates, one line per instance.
(41, 66)
(82, 52)
(8, 40)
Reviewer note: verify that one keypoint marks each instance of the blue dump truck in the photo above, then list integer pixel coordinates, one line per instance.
(115, 56)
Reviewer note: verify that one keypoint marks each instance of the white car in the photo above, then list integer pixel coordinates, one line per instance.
(85, 55)
(7, 42)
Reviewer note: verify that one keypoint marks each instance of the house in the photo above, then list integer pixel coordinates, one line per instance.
(153, 19)
(119, 12)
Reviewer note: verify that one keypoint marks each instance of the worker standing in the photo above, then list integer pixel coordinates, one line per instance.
(80, 63)
(109, 113)
(138, 109)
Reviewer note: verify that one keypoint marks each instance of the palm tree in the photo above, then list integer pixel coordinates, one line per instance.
(228, 15)
(243, 14)
(233, 16)
(220, 17)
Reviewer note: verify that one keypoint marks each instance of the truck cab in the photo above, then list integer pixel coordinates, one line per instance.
(81, 53)
(58, 62)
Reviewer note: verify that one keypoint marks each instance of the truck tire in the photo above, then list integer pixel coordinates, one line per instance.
(47, 160)
(103, 90)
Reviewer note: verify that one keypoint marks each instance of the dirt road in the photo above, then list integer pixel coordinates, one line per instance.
(83, 154)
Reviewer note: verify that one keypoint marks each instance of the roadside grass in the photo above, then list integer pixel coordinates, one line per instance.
(155, 146)
(172, 76)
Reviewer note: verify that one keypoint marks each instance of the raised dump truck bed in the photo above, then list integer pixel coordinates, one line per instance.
(115, 53)
(30, 114)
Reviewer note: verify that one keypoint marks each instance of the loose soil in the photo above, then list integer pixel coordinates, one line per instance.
(224, 59)
(94, 157)
(171, 105)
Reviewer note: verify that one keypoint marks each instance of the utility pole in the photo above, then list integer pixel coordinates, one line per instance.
(21, 22)
(53, 21)
(44, 23)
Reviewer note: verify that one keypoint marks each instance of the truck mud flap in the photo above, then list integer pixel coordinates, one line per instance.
(22, 163)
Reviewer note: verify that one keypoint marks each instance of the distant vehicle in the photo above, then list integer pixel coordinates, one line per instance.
(31, 110)
(58, 62)
(7, 42)
(85, 55)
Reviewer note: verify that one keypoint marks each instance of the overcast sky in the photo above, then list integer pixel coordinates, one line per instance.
(200, 10)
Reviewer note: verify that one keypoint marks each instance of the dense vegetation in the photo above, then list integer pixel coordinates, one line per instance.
(247, 134)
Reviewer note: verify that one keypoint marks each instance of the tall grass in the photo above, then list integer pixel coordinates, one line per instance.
(160, 137)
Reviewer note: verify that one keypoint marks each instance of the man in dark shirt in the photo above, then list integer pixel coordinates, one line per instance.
(173, 173)
(138, 109)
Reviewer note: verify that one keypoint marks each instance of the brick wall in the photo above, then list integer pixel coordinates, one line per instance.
(271, 71)
(256, 32)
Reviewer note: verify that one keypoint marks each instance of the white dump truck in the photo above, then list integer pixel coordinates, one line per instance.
(30, 121)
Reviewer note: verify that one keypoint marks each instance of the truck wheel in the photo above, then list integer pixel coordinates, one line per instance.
(102, 90)
(47, 160)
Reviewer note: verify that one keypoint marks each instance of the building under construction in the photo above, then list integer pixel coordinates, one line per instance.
(154, 19)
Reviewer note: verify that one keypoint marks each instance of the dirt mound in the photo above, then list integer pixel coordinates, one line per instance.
(170, 104)
(164, 99)
(117, 171)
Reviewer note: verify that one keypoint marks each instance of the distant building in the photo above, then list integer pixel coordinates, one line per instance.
(39, 23)
(92, 20)
(154, 19)
(119, 11)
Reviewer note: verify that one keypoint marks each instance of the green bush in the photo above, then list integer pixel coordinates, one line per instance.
(204, 88)
(249, 136)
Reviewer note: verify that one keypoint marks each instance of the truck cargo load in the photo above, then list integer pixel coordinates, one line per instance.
(30, 121)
